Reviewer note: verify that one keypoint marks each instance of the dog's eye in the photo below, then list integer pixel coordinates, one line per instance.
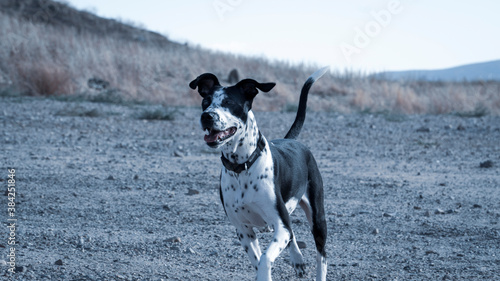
(227, 102)
(205, 103)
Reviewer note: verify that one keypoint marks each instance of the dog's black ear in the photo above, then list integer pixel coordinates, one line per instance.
(204, 82)
(250, 86)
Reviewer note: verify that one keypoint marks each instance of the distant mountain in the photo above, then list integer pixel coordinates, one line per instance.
(63, 15)
(485, 71)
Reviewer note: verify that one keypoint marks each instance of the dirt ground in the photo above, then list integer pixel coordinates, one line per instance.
(103, 195)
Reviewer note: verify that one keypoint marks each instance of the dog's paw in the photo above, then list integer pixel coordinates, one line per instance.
(300, 269)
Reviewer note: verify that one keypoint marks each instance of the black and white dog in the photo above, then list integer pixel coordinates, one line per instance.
(262, 181)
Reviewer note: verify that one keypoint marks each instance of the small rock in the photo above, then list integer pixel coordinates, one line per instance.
(477, 206)
(20, 269)
(417, 208)
(136, 177)
(376, 231)
(110, 178)
(423, 130)
(389, 215)
(461, 128)
(59, 262)
(190, 251)
(174, 239)
(166, 208)
(192, 192)
(179, 153)
(301, 244)
(439, 212)
(429, 252)
(486, 164)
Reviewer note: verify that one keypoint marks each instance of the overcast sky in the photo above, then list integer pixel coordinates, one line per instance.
(366, 35)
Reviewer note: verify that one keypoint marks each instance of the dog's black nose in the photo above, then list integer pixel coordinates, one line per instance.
(207, 116)
(208, 119)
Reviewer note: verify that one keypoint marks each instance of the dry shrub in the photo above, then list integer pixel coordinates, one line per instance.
(44, 79)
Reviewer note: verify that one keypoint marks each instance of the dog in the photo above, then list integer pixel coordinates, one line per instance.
(262, 181)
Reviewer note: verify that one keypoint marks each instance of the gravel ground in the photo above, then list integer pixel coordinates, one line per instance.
(103, 195)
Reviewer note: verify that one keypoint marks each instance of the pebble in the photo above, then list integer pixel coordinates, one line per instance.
(301, 244)
(189, 250)
(486, 164)
(439, 212)
(110, 178)
(178, 153)
(174, 239)
(192, 192)
(59, 262)
(423, 130)
(20, 268)
(375, 231)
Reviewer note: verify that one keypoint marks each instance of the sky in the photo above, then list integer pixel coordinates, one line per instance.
(359, 35)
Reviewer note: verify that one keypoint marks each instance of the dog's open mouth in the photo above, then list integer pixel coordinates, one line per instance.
(215, 137)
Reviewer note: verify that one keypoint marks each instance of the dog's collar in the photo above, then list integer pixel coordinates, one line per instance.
(238, 168)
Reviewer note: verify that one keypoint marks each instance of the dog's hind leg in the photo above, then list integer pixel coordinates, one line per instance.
(313, 206)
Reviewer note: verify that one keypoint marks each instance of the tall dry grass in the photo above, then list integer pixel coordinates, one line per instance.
(43, 59)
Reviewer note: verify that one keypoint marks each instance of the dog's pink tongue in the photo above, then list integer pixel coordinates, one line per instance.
(213, 136)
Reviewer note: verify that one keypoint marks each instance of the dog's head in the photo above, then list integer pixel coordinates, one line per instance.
(225, 109)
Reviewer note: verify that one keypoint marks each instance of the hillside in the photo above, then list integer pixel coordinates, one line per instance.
(485, 71)
(51, 49)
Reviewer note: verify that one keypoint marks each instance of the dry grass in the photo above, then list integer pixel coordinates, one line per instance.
(48, 59)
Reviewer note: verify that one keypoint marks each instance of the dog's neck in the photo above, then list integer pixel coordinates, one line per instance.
(238, 151)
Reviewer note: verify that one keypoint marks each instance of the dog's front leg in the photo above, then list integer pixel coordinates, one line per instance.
(279, 242)
(250, 243)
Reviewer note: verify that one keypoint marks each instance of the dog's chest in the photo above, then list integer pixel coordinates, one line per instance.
(248, 195)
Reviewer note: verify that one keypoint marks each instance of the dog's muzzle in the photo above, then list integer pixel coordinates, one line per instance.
(215, 136)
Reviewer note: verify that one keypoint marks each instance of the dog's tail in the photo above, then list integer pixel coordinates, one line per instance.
(294, 131)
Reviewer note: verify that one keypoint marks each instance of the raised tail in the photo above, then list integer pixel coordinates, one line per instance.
(294, 131)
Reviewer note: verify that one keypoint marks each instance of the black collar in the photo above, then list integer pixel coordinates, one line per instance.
(238, 168)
